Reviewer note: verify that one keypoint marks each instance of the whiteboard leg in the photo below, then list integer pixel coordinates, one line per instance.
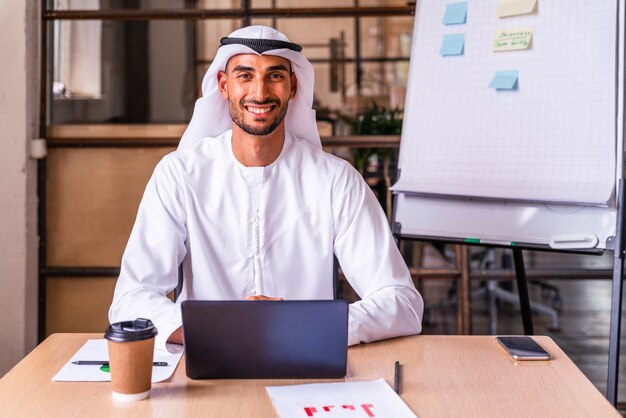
(522, 288)
(614, 337)
(616, 299)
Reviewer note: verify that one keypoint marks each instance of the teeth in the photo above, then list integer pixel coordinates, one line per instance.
(259, 110)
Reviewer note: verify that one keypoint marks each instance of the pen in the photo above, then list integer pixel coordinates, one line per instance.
(396, 378)
(106, 363)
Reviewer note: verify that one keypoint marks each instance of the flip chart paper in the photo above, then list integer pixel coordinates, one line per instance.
(98, 350)
(343, 399)
(452, 45)
(512, 39)
(540, 142)
(456, 14)
(504, 80)
(515, 7)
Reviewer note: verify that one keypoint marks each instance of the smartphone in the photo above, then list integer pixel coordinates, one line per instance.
(523, 348)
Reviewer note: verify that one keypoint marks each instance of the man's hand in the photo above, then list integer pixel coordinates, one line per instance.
(176, 337)
(262, 297)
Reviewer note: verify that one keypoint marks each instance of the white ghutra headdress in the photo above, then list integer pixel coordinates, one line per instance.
(211, 116)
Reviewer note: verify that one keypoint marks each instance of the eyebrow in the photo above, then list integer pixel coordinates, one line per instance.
(243, 68)
(279, 67)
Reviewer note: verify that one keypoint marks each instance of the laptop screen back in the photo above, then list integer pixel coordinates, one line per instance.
(265, 339)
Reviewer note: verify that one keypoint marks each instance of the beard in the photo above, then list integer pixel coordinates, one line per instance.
(236, 113)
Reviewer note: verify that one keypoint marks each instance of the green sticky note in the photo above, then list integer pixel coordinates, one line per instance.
(512, 39)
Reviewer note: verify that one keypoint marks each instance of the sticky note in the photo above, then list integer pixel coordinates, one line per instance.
(512, 39)
(515, 7)
(504, 80)
(452, 45)
(456, 14)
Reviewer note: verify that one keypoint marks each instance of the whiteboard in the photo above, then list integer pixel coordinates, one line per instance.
(537, 165)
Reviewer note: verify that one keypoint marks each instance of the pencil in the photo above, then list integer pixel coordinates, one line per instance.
(396, 378)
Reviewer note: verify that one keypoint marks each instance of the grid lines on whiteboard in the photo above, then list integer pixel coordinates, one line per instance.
(550, 139)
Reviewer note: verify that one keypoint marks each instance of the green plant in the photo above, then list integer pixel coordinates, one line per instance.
(376, 120)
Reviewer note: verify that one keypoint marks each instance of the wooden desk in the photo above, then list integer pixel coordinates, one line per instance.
(442, 376)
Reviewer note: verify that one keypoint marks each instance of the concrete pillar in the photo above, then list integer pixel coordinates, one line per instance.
(19, 88)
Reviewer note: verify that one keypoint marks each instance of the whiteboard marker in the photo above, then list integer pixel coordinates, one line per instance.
(489, 242)
(495, 242)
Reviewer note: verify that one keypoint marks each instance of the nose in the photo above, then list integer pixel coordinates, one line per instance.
(260, 90)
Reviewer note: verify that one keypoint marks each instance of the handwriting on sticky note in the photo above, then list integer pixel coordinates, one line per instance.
(515, 7)
(505, 80)
(452, 45)
(512, 39)
(456, 14)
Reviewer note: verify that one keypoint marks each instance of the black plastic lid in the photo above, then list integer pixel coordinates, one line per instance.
(137, 330)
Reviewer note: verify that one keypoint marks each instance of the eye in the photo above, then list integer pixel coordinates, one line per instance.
(244, 76)
(276, 76)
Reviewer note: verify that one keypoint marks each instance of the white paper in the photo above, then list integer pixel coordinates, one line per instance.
(344, 399)
(97, 350)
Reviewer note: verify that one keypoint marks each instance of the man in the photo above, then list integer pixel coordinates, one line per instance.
(254, 209)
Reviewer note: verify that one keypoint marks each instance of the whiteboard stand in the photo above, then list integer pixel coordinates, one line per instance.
(537, 167)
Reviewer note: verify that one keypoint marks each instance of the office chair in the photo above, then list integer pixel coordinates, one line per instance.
(494, 293)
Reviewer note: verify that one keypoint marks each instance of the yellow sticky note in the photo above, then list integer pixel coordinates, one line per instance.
(515, 7)
(512, 39)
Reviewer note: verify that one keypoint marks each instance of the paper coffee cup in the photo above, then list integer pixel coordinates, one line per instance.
(131, 351)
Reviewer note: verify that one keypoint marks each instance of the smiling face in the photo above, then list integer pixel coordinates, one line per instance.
(258, 89)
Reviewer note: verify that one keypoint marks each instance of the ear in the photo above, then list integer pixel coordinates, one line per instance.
(294, 85)
(222, 83)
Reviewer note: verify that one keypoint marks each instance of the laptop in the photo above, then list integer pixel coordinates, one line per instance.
(293, 339)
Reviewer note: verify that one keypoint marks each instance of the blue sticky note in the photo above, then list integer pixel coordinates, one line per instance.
(505, 80)
(456, 14)
(452, 45)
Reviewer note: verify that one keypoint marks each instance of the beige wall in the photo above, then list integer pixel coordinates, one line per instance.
(19, 47)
